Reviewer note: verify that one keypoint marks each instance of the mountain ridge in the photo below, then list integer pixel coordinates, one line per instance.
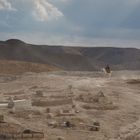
(70, 57)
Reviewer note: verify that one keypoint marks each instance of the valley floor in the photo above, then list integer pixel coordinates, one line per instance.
(45, 101)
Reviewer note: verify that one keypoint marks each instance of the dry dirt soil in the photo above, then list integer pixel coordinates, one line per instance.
(117, 109)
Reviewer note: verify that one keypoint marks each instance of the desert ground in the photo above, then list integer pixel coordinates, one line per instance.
(74, 105)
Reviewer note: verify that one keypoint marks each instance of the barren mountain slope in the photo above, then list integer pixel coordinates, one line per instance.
(18, 67)
(71, 58)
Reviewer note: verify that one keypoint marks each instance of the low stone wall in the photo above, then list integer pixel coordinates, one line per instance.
(51, 102)
(21, 136)
(22, 104)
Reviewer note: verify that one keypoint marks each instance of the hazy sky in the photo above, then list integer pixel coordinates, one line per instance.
(72, 22)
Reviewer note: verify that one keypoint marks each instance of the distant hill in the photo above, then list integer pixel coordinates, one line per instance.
(71, 58)
(18, 67)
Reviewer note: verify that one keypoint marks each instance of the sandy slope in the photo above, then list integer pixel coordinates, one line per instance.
(18, 67)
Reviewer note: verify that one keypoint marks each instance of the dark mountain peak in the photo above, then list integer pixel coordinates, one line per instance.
(15, 42)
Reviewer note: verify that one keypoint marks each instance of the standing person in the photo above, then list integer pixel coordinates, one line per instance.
(107, 68)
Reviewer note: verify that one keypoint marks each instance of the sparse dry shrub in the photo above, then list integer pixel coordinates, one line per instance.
(60, 138)
(132, 138)
(86, 106)
(48, 110)
(134, 81)
(99, 106)
(39, 93)
(37, 112)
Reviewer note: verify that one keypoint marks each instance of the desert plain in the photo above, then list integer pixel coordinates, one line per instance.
(68, 105)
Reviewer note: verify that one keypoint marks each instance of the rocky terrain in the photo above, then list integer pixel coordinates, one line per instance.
(74, 105)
